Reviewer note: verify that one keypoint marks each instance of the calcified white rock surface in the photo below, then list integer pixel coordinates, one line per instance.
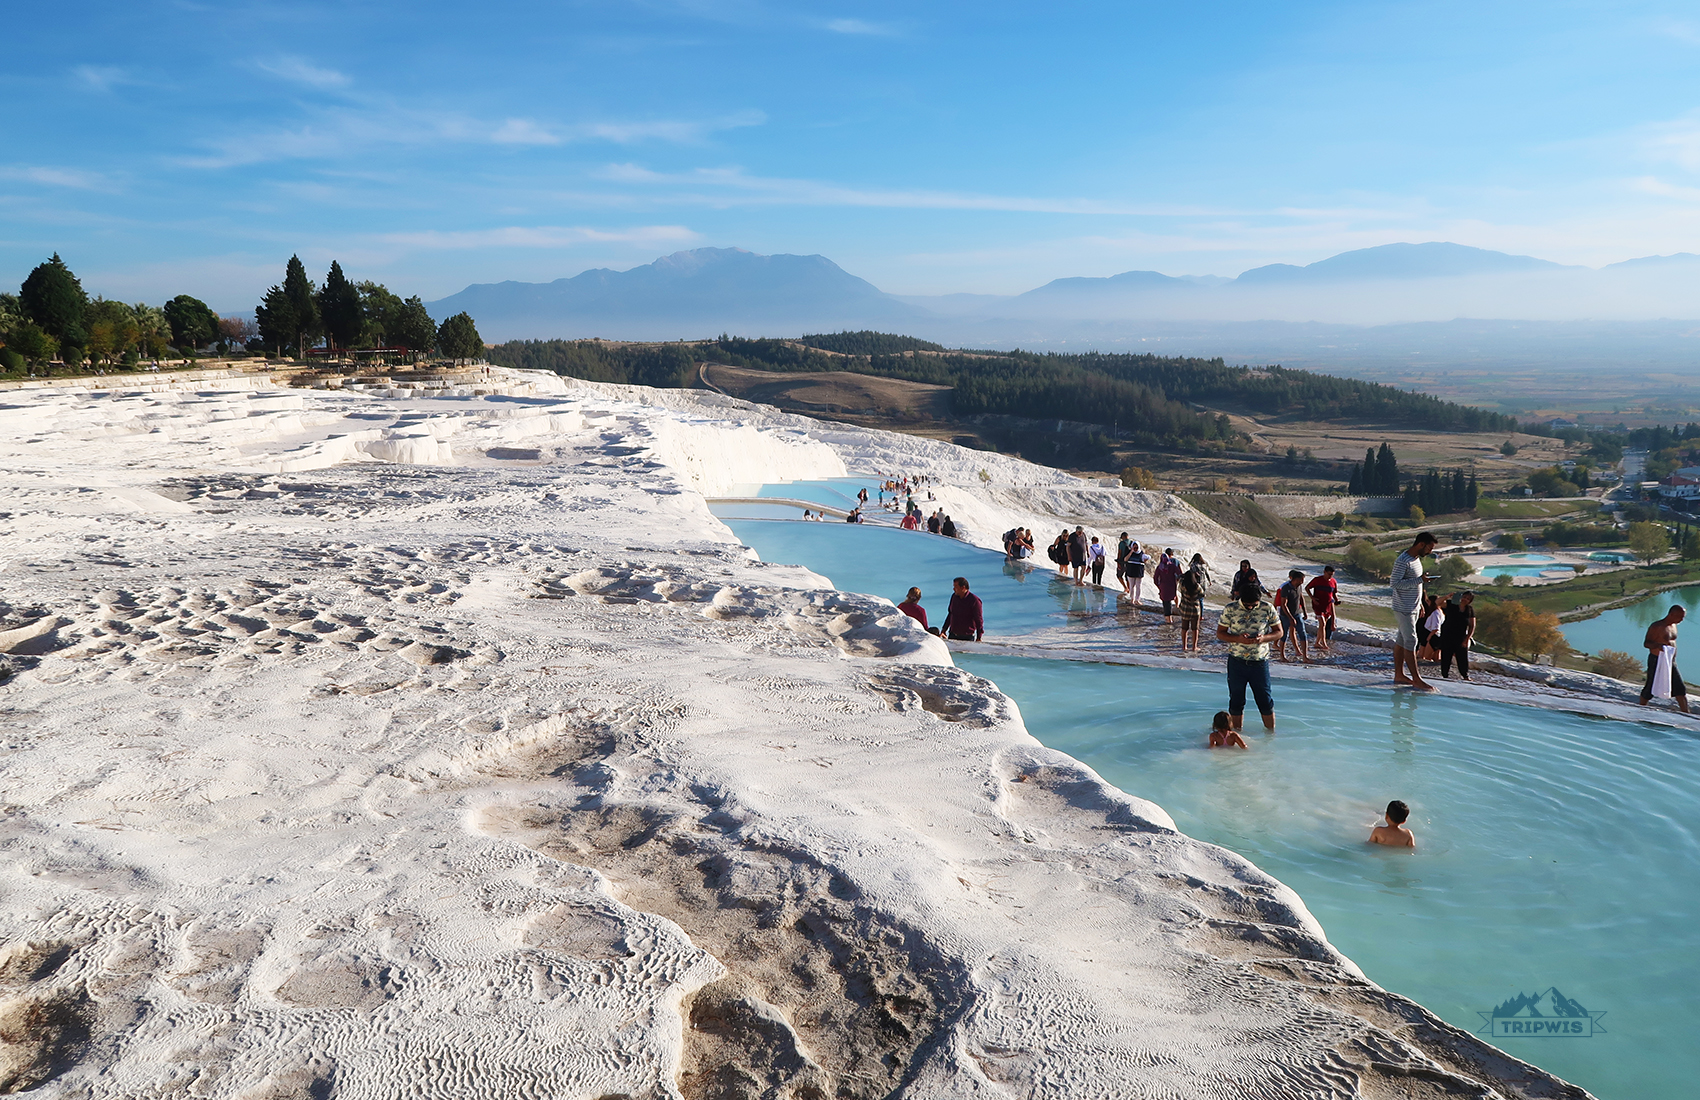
(371, 747)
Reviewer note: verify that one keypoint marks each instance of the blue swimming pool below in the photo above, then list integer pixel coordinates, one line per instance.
(1556, 851)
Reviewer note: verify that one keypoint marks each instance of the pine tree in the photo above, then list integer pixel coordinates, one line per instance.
(1460, 492)
(54, 299)
(339, 308)
(1387, 470)
(299, 290)
(1355, 486)
(1371, 480)
(1475, 492)
(458, 338)
(276, 319)
(1412, 496)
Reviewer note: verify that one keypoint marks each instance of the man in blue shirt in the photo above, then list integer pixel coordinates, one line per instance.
(1407, 599)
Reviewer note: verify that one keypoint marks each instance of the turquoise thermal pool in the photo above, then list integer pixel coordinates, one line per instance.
(1624, 627)
(886, 561)
(1554, 850)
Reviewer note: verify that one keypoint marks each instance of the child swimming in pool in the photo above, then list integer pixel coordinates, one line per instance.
(1394, 834)
(1223, 735)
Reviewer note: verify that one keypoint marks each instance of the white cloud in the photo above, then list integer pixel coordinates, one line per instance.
(679, 132)
(542, 236)
(299, 71)
(56, 177)
(523, 131)
(1679, 29)
(733, 186)
(858, 26)
(1676, 141)
(102, 78)
(1652, 185)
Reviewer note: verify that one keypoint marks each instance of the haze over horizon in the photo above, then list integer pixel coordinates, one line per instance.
(168, 148)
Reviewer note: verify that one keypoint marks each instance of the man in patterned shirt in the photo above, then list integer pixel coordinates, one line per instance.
(1248, 626)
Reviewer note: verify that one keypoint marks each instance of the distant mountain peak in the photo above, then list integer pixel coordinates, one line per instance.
(1428, 260)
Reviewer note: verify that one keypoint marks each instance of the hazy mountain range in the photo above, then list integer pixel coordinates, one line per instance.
(1395, 300)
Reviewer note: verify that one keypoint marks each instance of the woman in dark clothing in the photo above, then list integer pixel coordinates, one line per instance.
(1457, 630)
(1059, 554)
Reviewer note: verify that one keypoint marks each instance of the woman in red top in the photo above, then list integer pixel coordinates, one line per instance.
(911, 606)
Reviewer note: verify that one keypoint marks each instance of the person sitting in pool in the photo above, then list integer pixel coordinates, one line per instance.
(1394, 834)
(1223, 735)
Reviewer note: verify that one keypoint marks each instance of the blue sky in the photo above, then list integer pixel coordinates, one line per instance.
(167, 148)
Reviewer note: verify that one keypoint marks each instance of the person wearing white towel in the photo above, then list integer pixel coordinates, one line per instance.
(1663, 679)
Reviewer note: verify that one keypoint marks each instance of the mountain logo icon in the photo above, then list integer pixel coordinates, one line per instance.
(1548, 1015)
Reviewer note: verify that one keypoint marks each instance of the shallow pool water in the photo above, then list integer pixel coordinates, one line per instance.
(1534, 557)
(1623, 628)
(1555, 850)
(885, 561)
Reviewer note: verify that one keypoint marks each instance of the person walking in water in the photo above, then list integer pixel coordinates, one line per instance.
(1407, 600)
(1077, 556)
(1662, 677)
(1059, 554)
(1095, 557)
(1168, 577)
(1124, 547)
(1290, 603)
(1248, 626)
(965, 620)
(1192, 585)
(1136, 561)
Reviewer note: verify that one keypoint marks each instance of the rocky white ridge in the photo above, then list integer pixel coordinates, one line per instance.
(416, 747)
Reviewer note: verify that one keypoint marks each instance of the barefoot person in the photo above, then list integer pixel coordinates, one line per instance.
(1663, 679)
(1223, 735)
(1248, 626)
(1324, 597)
(1077, 556)
(1290, 602)
(1192, 607)
(1407, 600)
(1393, 833)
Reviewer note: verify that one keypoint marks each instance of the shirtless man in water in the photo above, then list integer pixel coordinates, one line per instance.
(1659, 635)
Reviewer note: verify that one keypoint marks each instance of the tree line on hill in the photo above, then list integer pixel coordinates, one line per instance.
(1149, 400)
(53, 319)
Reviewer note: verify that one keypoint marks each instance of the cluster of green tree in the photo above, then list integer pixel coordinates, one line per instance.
(1556, 481)
(1378, 476)
(1582, 534)
(1439, 492)
(295, 316)
(668, 365)
(52, 318)
(867, 342)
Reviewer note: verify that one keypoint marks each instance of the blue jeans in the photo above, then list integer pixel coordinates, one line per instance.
(1255, 674)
